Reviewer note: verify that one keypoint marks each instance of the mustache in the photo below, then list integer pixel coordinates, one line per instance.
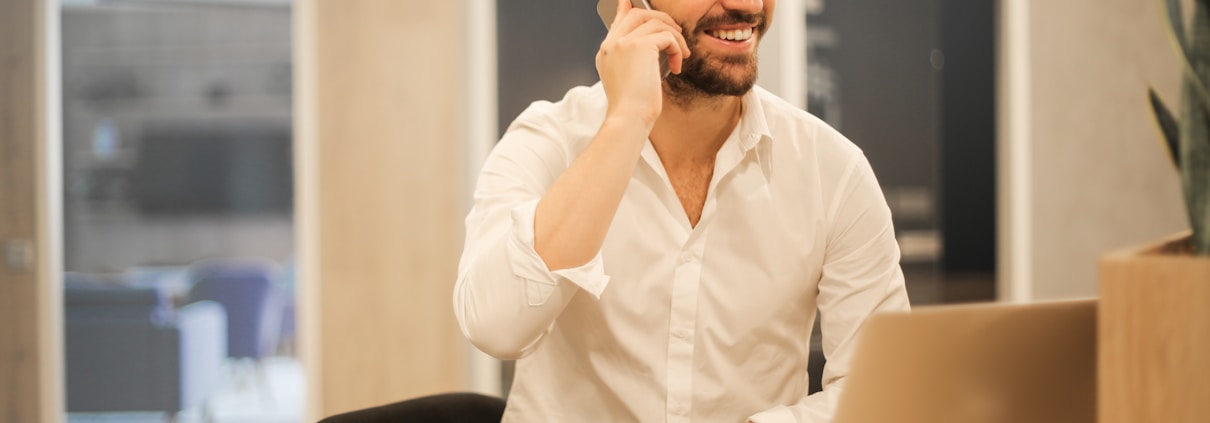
(732, 17)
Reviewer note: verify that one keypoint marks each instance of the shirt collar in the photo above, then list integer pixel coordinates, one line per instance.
(752, 133)
(753, 127)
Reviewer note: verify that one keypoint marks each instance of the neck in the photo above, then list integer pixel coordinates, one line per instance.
(694, 128)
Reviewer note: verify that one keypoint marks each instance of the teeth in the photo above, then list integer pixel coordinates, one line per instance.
(732, 35)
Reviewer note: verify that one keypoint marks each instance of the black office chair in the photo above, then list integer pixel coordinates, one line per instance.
(443, 408)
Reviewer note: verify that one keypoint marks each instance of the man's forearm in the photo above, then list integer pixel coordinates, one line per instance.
(820, 407)
(574, 215)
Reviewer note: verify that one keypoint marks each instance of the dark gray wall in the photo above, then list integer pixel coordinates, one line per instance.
(913, 83)
(968, 134)
(545, 47)
(874, 75)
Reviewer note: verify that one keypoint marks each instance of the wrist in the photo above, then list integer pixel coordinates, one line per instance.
(628, 125)
(633, 109)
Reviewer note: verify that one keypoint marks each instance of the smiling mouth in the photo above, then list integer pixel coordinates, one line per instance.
(732, 35)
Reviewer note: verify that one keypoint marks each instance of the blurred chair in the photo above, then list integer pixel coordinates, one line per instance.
(249, 292)
(247, 289)
(127, 350)
(172, 280)
(443, 408)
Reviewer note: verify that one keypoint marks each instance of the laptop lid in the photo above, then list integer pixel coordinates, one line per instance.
(984, 363)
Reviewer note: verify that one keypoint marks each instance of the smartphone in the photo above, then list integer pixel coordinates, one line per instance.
(608, 10)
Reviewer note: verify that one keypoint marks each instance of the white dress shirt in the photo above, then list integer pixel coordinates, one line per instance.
(671, 322)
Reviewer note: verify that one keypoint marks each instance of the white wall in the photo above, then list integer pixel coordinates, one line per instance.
(783, 54)
(1081, 168)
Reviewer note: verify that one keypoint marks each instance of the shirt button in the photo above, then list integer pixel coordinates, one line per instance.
(679, 408)
(681, 333)
(686, 257)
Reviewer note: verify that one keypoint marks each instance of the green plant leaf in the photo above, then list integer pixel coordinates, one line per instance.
(1176, 22)
(1167, 125)
(1196, 178)
(1176, 34)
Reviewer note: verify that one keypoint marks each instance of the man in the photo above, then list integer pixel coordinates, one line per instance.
(656, 249)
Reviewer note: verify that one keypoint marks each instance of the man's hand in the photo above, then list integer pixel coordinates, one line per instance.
(628, 62)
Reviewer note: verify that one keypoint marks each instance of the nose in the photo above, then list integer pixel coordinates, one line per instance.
(744, 6)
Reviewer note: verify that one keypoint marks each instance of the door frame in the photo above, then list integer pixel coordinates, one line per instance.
(37, 231)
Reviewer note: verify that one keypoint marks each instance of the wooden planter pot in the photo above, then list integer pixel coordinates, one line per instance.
(1154, 336)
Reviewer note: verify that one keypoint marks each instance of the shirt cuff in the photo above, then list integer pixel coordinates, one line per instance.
(540, 282)
(779, 414)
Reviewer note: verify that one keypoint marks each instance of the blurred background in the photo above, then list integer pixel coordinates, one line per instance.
(261, 201)
(178, 200)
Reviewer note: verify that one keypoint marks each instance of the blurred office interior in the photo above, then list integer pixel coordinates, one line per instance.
(319, 155)
(178, 227)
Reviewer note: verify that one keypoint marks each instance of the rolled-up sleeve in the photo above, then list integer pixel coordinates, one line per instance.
(528, 265)
(505, 297)
(861, 276)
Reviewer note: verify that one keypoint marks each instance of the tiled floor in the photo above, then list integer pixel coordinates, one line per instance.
(239, 400)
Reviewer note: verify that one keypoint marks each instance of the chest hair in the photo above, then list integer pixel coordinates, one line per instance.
(691, 181)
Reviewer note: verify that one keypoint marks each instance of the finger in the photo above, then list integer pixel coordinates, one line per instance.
(665, 44)
(623, 7)
(662, 17)
(674, 45)
(656, 26)
(683, 44)
(676, 58)
(670, 46)
(639, 17)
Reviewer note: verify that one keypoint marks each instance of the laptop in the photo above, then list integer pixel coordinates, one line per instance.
(983, 363)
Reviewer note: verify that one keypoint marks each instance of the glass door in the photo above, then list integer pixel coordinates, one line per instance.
(178, 211)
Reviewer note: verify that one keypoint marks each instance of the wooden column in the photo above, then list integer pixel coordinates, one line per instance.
(26, 359)
(381, 173)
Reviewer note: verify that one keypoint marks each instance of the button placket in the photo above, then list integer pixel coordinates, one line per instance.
(682, 334)
(682, 319)
(680, 408)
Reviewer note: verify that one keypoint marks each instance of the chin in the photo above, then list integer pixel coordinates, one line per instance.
(711, 75)
(736, 76)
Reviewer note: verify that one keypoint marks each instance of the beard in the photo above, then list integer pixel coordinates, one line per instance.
(706, 75)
